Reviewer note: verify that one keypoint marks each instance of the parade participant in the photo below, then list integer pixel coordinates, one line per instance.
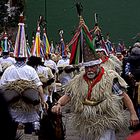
(132, 76)
(64, 60)
(107, 62)
(104, 107)
(104, 49)
(113, 56)
(44, 73)
(97, 116)
(6, 60)
(119, 56)
(7, 127)
(96, 96)
(66, 73)
(46, 77)
(65, 70)
(22, 86)
(48, 53)
(50, 63)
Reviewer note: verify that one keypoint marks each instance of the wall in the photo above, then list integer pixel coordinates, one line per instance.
(118, 17)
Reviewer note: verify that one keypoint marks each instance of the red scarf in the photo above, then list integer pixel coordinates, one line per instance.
(93, 82)
(105, 59)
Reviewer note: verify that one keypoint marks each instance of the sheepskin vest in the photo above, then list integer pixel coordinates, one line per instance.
(93, 121)
(108, 65)
(20, 86)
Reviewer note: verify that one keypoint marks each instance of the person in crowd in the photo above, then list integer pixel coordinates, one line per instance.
(18, 78)
(45, 74)
(107, 62)
(8, 127)
(6, 60)
(132, 76)
(22, 86)
(49, 62)
(64, 60)
(97, 96)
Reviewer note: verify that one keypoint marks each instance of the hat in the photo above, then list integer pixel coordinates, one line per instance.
(135, 50)
(20, 44)
(118, 53)
(83, 50)
(90, 58)
(101, 49)
(36, 51)
(89, 54)
(137, 44)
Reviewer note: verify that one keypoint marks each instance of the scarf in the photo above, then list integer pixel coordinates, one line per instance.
(93, 82)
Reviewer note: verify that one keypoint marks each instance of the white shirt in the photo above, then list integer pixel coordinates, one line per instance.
(50, 63)
(0, 68)
(25, 72)
(45, 70)
(63, 62)
(9, 60)
(64, 78)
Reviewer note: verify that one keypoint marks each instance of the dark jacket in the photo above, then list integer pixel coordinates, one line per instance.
(7, 125)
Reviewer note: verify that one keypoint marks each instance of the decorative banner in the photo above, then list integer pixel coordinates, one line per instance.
(46, 44)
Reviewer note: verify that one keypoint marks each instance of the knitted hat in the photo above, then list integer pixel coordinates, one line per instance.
(20, 44)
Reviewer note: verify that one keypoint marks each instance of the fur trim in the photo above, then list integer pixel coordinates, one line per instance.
(108, 65)
(20, 86)
(114, 58)
(93, 121)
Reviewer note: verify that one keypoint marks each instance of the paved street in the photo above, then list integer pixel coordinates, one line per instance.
(71, 134)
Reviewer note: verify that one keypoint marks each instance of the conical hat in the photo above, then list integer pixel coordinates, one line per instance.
(20, 44)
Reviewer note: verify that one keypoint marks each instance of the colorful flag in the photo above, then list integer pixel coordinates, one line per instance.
(46, 45)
